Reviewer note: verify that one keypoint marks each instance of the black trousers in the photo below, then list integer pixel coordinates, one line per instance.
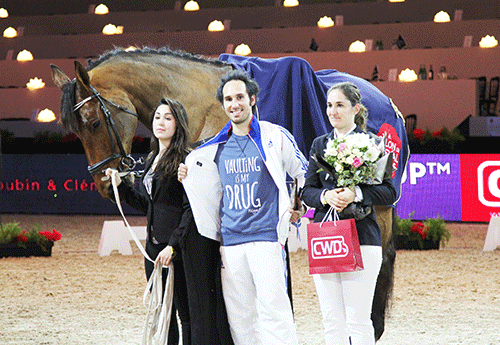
(180, 294)
(201, 256)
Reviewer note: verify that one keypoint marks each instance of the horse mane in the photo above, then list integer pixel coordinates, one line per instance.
(152, 51)
(68, 118)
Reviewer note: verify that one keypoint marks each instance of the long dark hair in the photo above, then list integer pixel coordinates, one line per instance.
(351, 92)
(178, 149)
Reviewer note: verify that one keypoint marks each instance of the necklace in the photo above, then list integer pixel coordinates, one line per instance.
(244, 146)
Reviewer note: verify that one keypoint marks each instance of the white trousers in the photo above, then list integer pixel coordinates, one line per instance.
(346, 301)
(254, 287)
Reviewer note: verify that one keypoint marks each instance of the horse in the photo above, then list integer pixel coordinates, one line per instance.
(104, 102)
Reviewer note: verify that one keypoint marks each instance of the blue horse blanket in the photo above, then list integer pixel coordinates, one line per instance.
(293, 95)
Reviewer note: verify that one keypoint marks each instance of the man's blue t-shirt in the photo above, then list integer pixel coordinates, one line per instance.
(250, 196)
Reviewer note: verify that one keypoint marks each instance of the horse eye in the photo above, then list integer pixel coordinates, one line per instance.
(96, 124)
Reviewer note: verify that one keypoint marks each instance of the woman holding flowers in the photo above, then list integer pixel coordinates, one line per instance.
(346, 298)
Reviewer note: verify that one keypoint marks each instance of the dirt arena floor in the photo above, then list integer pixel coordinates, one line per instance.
(450, 296)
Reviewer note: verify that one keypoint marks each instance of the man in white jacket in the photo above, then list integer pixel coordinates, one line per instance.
(237, 189)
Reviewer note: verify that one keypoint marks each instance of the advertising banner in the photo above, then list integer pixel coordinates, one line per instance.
(51, 183)
(431, 187)
(455, 187)
(480, 187)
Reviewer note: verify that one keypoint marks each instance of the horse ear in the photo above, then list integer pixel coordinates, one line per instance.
(59, 77)
(81, 75)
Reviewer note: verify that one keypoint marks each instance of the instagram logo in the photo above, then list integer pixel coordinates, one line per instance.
(488, 178)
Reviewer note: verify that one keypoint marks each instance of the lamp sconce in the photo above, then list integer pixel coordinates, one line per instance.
(10, 32)
(441, 17)
(24, 55)
(325, 22)
(35, 83)
(101, 9)
(111, 29)
(407, 75)
(46, 115)
(357, 47)
(191, 6)
(3, 13)
(488, 42)
(215, 26)
(242, 49)
(291, 3)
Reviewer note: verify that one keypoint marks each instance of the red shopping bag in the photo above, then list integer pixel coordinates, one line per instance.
(333, 247)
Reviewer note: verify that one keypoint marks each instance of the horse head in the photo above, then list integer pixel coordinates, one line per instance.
(102, 117)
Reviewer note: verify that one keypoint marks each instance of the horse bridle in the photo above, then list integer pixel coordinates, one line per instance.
(127, 162)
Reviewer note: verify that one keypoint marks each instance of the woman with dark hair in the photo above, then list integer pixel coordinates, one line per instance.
(172, 235)
(346, 298)
(161, 197)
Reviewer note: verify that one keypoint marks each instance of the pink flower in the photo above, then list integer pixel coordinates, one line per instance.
(342, 146)
(357, 162)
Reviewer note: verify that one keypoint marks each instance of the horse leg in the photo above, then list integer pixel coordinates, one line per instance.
(385, 280)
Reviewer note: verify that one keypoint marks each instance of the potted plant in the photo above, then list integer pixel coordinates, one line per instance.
(441, 141)
(15, 241)
(425, 235)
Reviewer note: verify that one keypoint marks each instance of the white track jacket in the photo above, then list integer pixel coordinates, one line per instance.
(204, 189)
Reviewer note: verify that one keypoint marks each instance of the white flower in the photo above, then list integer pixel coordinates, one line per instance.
(372, 154)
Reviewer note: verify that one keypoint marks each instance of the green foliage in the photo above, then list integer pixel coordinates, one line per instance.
(437, 230)
(6, 137)
(47, 137)
(403, 226)
(14, 233)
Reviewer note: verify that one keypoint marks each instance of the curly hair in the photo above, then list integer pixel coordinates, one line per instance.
(251, 85)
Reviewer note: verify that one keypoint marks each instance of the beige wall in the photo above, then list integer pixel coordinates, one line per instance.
(270, 16)
(283, 32)
(287, 40)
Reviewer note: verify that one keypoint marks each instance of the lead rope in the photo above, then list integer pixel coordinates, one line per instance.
(154, 332)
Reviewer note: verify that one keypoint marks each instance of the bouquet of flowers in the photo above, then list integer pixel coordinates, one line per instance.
(353, 159)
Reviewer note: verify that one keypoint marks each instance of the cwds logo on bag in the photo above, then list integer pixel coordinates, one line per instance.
(329, 247)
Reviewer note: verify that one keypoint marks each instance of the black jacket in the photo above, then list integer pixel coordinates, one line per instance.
(168, 212)
(383, 194)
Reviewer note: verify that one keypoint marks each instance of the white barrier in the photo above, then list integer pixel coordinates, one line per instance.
(492, 240)
(294, 243)
(115, 236)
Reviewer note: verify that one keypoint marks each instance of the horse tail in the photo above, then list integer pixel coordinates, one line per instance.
(385, 280)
